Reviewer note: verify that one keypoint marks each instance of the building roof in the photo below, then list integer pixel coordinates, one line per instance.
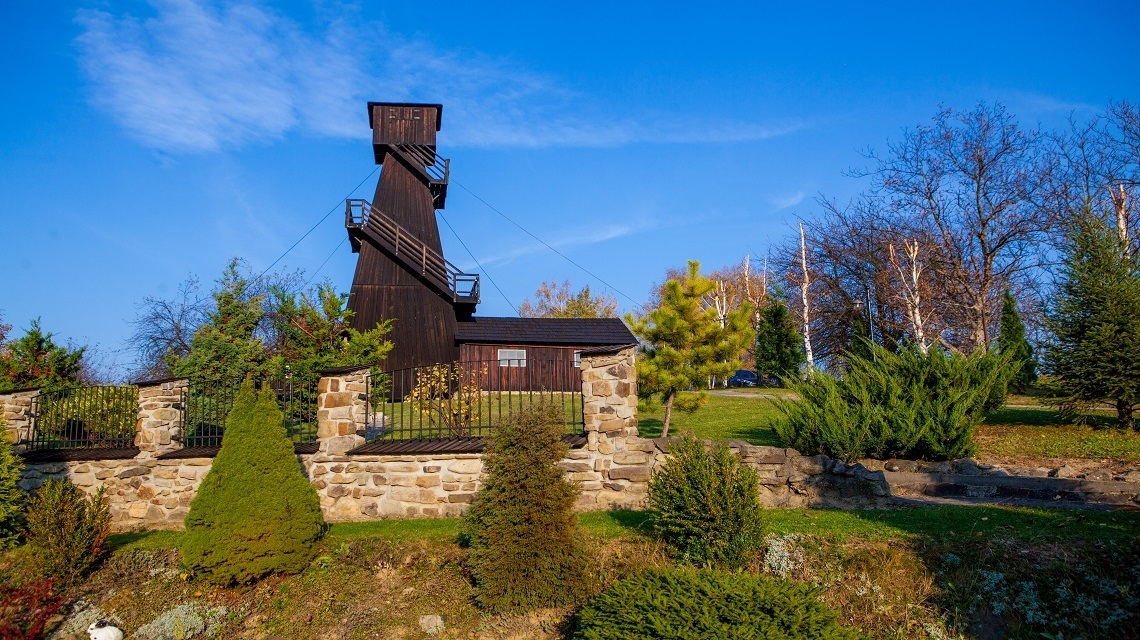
(589, 332)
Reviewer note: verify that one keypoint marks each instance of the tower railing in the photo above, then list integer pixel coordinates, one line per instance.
(411, 252)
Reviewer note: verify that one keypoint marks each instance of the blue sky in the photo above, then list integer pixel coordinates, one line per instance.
(144, 142)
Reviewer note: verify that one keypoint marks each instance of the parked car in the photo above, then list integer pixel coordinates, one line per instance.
(744, 378)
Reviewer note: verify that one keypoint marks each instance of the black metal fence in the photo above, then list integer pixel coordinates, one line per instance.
(84, 418)
(469, 399)
(206, 407)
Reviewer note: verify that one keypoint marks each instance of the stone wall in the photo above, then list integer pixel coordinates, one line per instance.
(612, 468)
(16, 410)
(143, 492)
(160, 417)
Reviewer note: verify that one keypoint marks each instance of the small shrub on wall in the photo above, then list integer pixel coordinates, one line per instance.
(894, 405)
(706, 504)
(255, 512)
(526, 547)
(692, 604)
(11, 496)
(67, 529)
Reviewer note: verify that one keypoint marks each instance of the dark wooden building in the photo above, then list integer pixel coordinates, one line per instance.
(401, 273)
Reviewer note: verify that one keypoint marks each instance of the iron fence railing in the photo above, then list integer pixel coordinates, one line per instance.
(468, 399)
(84, 418)
(206, 406)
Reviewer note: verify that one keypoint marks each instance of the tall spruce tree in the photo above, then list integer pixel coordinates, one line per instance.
(686, 345)
(226, 348)
(1095, 321)
(1011, 340)
(779, 347)
(255, 512)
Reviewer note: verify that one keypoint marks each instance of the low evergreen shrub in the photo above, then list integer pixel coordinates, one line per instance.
(692, 604)
(67, 529)
(11, 496)
(706, 504)
(255, 512)
(888, 404)
(526, 547)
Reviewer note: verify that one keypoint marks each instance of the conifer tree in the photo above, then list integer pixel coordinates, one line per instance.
(255, 513)
(1095, 321)
(11, 496)
(779, 347)
(1011, 340)
(686, 345)
(35, 360)
(226, 348)
(526, 548)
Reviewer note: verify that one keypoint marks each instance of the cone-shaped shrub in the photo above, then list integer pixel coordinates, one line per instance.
(526, 548)
(255, 513)
(689, 604)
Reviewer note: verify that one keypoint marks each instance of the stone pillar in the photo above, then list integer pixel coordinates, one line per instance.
(342, 409)
(609, 393)
(16, 412)
(161, 412)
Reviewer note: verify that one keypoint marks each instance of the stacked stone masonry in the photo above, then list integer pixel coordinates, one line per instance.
(612, 469)
(16, 410)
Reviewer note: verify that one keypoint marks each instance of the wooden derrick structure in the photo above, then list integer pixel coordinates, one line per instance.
(402, 275)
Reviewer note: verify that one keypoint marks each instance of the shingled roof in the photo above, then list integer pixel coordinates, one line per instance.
(586, 332)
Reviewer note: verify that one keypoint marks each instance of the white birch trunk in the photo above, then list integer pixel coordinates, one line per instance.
(804, 295)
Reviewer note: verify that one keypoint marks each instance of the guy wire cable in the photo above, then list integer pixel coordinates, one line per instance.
(323, 218)
(481, 269)
(540, 240)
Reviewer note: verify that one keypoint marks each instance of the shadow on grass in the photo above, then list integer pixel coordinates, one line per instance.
(1045, 417)
(144, 540)
(617, 523)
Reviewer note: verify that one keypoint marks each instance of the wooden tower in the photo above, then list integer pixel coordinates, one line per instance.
(401, 273)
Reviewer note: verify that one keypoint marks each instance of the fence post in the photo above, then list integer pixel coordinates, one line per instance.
(16, 409)
(161, 416)
(609, 395)
(342, 409)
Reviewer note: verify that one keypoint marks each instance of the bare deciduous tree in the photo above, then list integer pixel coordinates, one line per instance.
(973, 181)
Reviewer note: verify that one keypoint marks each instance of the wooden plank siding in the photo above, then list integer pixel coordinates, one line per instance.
(402, 123)
(423, 330)
(548, 368)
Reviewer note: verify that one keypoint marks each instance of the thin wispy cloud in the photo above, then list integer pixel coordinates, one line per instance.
(599, 236)
(791, 200)
(196, 77)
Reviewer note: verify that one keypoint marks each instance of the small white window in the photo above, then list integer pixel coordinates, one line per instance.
(578, 359)
(512, 357)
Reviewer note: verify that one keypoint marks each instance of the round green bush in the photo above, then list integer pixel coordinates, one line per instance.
(255, 513)
(691, 604)
(706, 504)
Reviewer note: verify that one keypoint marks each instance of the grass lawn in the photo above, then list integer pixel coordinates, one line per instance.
(1019, 430)
(724, 418)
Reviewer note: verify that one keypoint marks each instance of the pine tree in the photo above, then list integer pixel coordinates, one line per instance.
(686, 343)
(526, 548)
(1095, 322)
(779, 347)
(255, 513)
(1011, 340)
